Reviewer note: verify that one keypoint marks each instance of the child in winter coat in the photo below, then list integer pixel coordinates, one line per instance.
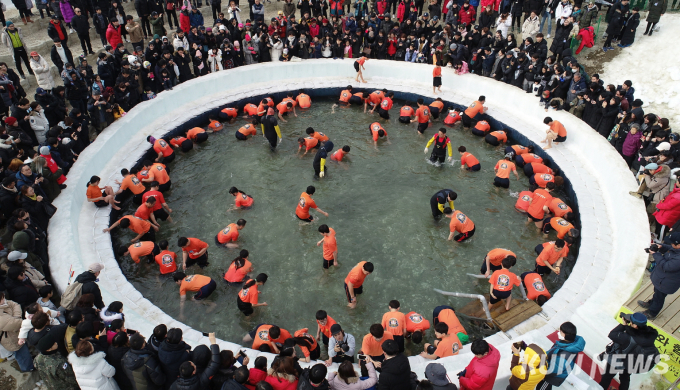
(113, 312)
(257, 373)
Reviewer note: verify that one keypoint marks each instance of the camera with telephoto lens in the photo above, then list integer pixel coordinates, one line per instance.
(653, 248)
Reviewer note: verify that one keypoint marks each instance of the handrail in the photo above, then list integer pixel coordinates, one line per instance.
(473, 296)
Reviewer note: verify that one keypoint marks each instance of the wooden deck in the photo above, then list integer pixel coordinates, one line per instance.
(520, 310)
(668, 318)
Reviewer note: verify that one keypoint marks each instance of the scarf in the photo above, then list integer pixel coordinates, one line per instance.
(33, 197)
(57, 26)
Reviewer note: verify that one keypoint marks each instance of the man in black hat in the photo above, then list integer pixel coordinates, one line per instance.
(665, 274)
(340, 347)
(53, 368)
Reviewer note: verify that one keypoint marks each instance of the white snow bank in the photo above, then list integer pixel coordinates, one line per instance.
(652, 65)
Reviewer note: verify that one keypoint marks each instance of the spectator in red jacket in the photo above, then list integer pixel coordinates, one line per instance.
(184, 21)
(113, 34)
(467, 14)
(480, 374)
(283, 375)
(667, 212)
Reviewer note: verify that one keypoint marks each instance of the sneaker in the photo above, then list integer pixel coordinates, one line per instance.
(128, 41)
(620, 45)
(11, 358)
(636, 194)
(643, 304)
(548, 36)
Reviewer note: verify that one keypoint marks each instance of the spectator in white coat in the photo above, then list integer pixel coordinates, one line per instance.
(563, 10)
(42, 72)
(503, 23)
(277, 48)
(91, 369)
(531, 26)
(38, 121)
(215, 60)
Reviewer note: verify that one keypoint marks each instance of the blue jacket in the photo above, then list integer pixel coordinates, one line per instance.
(666, 274)
(196, 19)
(561, 358)
(487, 64)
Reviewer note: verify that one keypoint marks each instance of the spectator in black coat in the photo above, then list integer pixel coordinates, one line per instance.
(152, 376)
(395, 369)
(55, 55)
(87, 279)
(101, 23)
(143, 11)
(114, 356)
(81, 24)
(19, 290)
(189, 375)
(9, 197)
(172, 353)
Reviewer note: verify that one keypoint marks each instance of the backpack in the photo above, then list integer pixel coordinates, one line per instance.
(70, 297)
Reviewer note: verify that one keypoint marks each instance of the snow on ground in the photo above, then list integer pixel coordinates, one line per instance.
(653, 65)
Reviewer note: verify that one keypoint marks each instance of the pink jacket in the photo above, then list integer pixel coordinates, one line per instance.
(480, 374)
(463, 68)
(668, 212)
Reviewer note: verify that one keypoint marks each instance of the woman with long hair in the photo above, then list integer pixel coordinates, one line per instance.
(283, 375)
(91, 369)
(238, 269)
(347, 379)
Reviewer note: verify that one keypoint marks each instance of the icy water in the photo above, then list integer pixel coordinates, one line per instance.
(378, 203)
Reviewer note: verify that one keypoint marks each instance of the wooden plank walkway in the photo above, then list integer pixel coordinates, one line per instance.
(668, 318)
(520, 310)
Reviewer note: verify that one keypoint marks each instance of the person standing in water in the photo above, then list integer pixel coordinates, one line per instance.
(320, 158)
(270, 128)
(305, 203)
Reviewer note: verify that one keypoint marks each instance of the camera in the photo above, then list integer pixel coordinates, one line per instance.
(652, 248)
(343, 346)
(625, 317)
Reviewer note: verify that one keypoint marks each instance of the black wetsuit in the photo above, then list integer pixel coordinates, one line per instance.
(323, 152)
(441, 197)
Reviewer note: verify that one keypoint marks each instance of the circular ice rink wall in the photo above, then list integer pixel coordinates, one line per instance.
(614, 225)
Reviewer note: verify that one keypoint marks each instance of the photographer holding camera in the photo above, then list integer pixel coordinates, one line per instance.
(632, 350)
(340, 347)
(665, 275)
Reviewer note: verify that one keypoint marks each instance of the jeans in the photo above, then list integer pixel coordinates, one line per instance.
(24, 359)
(546, 15)
(656, 304)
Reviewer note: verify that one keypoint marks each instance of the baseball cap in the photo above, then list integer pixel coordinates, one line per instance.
(651, 166)
(34, 54)
(673, 238)
(335, 329)
(436, 373)
(664, 146)
(426, 15)
(95, 267)
(40, 91)
(16, 255)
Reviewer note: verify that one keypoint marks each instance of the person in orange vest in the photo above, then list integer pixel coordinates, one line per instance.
(238, 270)
(436, 78)
(214, 125)
(316, 134)
(436, 107)
(197, 135)
(447, 343)
(550, 256)
(229, 114)
(497, 137)
(101, 197)
(202, 285)
(157, 172)
(519, 149)
(139, 249)
(542, 179)
(501, 282)
(250, 110)
(284, 108)
(359, 66)
(228, 236)
(194, 251)
(354, 282)
(290, 98)
(248, 297)
(467, 160)
(442, 145)
(385, 106)
(452, 117)
(144, 229)
(246, 130)
(357, 99)
(394, 321)
(406, 113)
(535, 288)
(416, 324)
(558, 208)
(562, 226)
(182, 142)
(303, 100)
(502, 170)
(345, 95)
(164, 151)
(524, 200)
(540, 200)
(481, 128)
(377, 131)
(340, 154)
(374, 99)
(308, 345)
(493, 259)
(556, 132)
(371, 345)
(522, 159)
(166, 259)
(324, 323)
(308, 143)
(241, 199)
(422, 116)
(330, 246)
(305, 203)
(536, 167)
(470, 115)
(460, 224)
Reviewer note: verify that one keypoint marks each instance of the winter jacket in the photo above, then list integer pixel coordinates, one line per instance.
(53, 33)
(563, 10)
(527, 373)
(24, 293)
(143, 370)
(281, 381)
(632, 144)
(135, 32)
(396, 374)
(233, 385)
(658, 185)
(196, 18)
(10, 323)
(561, 359)
(480, 374)
(587, 38)
(184, 22)
(201, 380)
(666, 274)
(628, 32)
(157, 26)
(530, 28)
(495, 4)
(615, 23)
(607, 119)
(354, 383)
(504, 26)
(88, 278)
(589, 16)
(255, 376)
(656, 8)
(66, 10)
(113, 35)
(42, 73)
(56, 58)
(142, 8)
(668, 210)
(100, 23)
(644, 337)
(114, 356)
(467, 15)
(80, 24)
(171, 356)
(93, 372)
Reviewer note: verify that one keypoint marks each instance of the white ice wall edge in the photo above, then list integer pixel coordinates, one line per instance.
(614, 232)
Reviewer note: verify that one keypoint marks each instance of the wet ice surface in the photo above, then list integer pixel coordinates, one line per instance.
(378, 202)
